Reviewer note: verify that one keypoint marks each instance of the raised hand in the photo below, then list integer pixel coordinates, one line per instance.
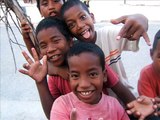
(35, 69)
(141, 108)
(134, 27)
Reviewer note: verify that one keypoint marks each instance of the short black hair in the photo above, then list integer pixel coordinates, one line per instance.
(38, 4)
(54, 22)
(156, 39)
(70, 3)
(81, 47)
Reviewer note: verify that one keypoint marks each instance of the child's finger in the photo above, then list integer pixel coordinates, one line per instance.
(131, 111)
(28, 59)
(23, 72)
(35, 55)
(130, 105)
(26, 66)
(73, 114)
(157, 99)
(124, 30)
(146, 38)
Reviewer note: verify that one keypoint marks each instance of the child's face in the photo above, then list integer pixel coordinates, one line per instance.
(81, 23)
(86, 77)
(156, 57)
(53, 44)
(50, 7)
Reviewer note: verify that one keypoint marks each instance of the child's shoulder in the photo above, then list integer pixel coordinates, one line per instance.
(147, 68)
(107, 27)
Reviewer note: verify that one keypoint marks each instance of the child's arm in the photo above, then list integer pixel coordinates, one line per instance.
(141, 108)
(25, 33)
(45, 96)
(123, 93)
(135, 26)
(38, 72)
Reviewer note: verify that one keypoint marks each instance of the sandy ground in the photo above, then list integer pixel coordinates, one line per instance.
(19, 96)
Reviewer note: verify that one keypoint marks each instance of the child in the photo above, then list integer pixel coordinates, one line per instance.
(81, 25)
(135, 24)
(55, 41)
(87, 83)
(149, 81)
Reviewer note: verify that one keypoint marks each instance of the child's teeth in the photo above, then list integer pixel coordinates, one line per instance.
(86, 93)
(54, 56)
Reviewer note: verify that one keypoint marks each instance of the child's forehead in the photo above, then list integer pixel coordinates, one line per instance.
(52, 29)
(51, 0)
(85, 55)
(79, 7)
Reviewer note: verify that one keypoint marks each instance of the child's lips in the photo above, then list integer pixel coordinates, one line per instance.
(86, 94)
(86, 34)
(55, 57)
(53, 14)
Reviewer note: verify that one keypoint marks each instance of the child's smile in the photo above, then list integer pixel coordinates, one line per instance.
(86, 77)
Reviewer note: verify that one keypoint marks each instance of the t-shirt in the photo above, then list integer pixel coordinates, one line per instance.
(112, 48)
(149, 82)
(59, 86)
(108, 108)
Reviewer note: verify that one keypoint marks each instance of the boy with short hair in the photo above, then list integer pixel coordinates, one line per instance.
(133, 24)
(149, 81)
(81, 25)
(54, 42)
(86, 84)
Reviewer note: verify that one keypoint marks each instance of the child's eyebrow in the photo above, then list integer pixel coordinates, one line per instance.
(42, 0)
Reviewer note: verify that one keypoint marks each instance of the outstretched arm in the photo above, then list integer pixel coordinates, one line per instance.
(38, 72)
(135, 26)
(45, 96)
(123, 93)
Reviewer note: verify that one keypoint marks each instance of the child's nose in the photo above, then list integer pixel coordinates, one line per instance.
(51, 48)
(80, 24)
(51, 5)
(84, 83)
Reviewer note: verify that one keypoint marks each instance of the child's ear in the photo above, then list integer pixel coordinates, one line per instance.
(105, 76)
(92, 16)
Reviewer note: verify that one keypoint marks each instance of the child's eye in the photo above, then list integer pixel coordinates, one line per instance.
(71, 25)
(44, 3)
(43, 46)
(74, 76)
(56, 41)
(93, 74)
(83, 17)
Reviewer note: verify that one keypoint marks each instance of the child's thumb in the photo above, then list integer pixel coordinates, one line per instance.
(73, 114)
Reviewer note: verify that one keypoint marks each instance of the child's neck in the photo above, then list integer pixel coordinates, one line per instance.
(95, 37)
(61, 71)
